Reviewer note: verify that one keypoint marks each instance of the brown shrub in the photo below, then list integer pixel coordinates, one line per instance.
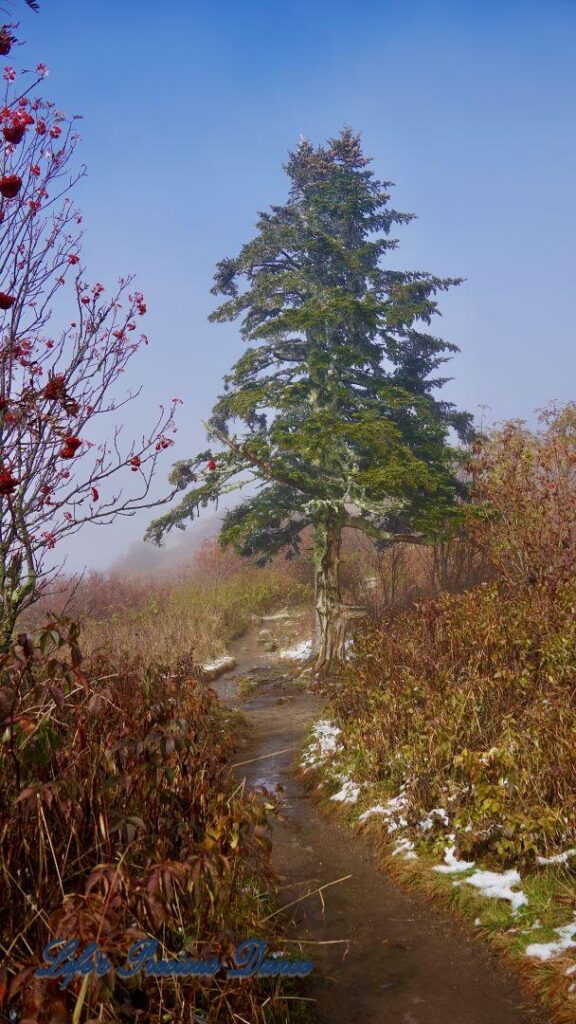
(468, 699)
(117, 823)
(191, 615)
(525, 484)
(391, 579)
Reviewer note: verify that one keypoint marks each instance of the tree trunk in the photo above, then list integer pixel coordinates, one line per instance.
(331, 617)
(16, 587)
(7, 623)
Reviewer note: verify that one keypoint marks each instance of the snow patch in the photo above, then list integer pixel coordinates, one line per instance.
(324, 742)
(300, 652)
(349, 793)
(225, 661)
(406, 848)
(452, 864)
(377, 809)
(437, 813)
(546, 950)
(498, 885)
(389, 810)
(558, 858)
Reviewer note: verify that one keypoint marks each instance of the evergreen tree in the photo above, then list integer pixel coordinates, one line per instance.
(331, 409)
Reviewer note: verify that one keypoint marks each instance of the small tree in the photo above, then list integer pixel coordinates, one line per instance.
(524, 485)
(335, 393)
(54, 388)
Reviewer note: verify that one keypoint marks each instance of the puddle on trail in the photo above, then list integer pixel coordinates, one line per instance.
(269, 783)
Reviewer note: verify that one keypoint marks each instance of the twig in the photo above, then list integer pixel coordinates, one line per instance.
(263, 758)
(81, 999)
(314, 942)
(300, 898)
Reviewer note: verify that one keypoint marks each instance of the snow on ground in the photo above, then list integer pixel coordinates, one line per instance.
(391, 810)
(436, 814)
(406, 848)
(452, 864)
(546, 950)
(225, 661)
(504, 885)
(324, 742)
(558, 858)
(300, 652)
(377, 809)
(305, 649)
(349, 793)
(498, 885)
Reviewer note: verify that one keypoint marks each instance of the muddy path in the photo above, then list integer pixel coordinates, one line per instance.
(402, 960)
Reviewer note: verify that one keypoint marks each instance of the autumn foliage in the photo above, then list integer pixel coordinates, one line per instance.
(57, 470)
(468, 700)
(117, 822)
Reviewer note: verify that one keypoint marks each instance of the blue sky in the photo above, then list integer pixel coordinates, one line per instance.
(189, 109)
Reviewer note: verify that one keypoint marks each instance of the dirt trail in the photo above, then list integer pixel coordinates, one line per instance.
(404, 963)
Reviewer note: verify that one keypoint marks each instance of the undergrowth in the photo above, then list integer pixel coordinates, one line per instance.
(463, 708)
(468, 703)
(118, 822)
(192, 614)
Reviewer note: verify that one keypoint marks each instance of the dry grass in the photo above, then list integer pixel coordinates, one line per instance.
(118, 818)
(192, 616)
(119, 822)
(466, 702)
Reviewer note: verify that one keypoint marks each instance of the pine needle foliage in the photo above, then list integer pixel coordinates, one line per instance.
(331, 409)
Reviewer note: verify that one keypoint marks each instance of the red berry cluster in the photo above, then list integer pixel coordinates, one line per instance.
(10, 185)
(55, 389)
(6, 40)
(22, 350)
(70, 446)
(15, 128)
(8, 481)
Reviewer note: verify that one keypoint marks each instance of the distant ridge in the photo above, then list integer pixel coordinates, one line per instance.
(177, 554)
